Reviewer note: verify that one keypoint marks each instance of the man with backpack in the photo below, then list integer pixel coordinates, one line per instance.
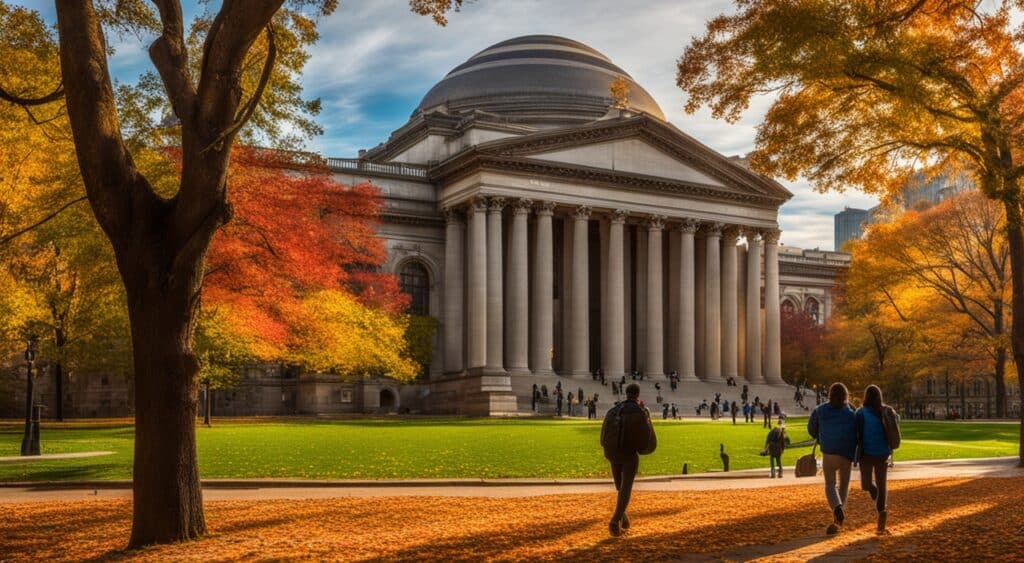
(626, 434)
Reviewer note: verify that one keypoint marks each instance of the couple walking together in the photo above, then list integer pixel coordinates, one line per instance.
(866, 437)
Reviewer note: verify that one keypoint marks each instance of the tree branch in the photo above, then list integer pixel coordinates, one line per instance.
(249, 108)
(170, 56)
(114, 186)
(8, 238)
(53, 96)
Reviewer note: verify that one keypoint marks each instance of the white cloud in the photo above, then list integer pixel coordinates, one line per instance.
(377, 50)
(376, 59)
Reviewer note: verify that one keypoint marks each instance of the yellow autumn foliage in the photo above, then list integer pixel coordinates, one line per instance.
(352, 339)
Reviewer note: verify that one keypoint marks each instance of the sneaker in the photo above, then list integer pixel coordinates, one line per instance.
(832, 529)
(839, 514)
(614, 529)
(624, 523)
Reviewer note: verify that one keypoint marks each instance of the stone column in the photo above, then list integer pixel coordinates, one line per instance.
(579, 325)
(476, 319)
(519, 292)
(713, 304)
(542, 318)
(730, 307)
(687, 310)
(615, 352)
(773, 342)
(495, 289)
(753, 308)
(654, 364)
(454, 250)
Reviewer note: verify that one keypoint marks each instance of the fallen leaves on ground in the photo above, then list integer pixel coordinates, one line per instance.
(936, 519)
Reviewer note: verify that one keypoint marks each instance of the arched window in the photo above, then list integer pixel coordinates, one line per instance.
(811, 308)
(415, 282)
(787, 307)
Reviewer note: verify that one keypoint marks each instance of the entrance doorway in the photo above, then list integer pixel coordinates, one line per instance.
(387, 400)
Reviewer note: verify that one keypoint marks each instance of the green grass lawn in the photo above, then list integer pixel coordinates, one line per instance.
(434, 448)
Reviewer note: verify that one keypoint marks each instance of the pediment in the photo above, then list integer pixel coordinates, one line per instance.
(633, 155)
(638, 151)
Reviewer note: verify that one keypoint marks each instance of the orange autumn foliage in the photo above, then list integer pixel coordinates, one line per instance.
(930, 520)
(294, 232)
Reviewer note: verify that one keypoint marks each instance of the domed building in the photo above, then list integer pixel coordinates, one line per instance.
(558, 234)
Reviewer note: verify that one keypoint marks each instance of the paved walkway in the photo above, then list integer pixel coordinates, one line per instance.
(266, 489)
(44, 457)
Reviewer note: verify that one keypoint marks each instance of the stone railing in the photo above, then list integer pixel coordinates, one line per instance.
(819, 261)
(391, 168)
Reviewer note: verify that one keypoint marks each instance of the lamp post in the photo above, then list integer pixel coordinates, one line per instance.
(30, 443)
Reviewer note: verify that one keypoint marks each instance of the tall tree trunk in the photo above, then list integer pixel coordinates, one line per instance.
(58, 372)
(947, 392)
(168, 500)
(1000, 383)
(58, 378)
(1015, 238)
(207, 404)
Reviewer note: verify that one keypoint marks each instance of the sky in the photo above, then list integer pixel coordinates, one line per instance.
(375, 60)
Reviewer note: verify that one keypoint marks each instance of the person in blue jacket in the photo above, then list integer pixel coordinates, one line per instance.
(873, 451)
(834, 426)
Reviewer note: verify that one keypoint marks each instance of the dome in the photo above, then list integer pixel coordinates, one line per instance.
(536, 79)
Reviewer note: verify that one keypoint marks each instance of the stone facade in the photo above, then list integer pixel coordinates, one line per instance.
(975, 397)
(560, 239)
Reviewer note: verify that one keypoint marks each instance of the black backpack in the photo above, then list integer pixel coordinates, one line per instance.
(891, 426)
(627, 429)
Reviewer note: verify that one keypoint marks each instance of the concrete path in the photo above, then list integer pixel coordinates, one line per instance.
(44, 457)
(243, 489)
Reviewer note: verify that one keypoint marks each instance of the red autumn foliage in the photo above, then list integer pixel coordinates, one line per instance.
(295, 230)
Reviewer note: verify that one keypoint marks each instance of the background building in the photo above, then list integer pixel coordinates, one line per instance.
(848, 225)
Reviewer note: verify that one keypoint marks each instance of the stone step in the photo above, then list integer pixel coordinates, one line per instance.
(687, 396)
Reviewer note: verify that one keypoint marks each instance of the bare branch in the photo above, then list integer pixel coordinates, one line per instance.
(8, 238)
(53, 96)
(249, 108)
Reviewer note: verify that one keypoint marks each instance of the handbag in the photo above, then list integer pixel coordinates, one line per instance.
(807, 466)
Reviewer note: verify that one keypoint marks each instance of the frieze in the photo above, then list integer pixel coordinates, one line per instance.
(598, 176)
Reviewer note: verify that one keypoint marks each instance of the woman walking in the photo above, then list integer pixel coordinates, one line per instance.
(834, 426)
(876, 422)
(774, 445)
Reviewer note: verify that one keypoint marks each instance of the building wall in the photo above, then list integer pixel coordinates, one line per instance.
(974, 398)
